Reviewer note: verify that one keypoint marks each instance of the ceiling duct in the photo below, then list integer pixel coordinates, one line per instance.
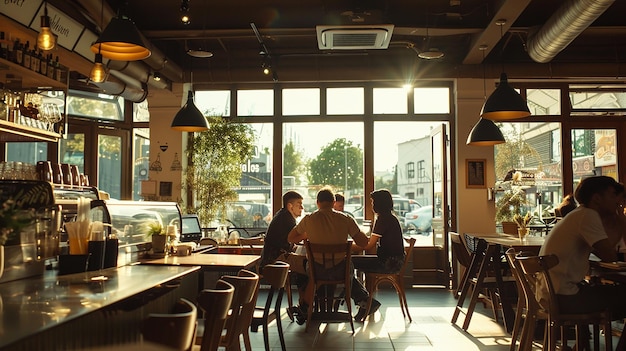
(571, 19)
(354, 37)
(137, 70)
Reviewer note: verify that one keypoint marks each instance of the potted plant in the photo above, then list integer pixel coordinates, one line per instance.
(159, 239)
(214, 167)
(522, 224)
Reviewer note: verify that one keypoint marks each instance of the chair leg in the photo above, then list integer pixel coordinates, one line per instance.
(289, 298)
(279, 324)
(517, 325)
(608, 336)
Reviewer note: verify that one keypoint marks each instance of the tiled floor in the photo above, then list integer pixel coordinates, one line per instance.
(431, 329)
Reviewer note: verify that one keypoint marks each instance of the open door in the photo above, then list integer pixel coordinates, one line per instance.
(431, 259)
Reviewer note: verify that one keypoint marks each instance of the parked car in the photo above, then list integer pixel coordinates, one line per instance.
(419, 221)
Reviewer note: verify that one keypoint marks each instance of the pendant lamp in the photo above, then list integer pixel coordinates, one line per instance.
(121, 41)
(46, 40)
(98, 71)
(485, 133)
(505, 102)
(189, 118)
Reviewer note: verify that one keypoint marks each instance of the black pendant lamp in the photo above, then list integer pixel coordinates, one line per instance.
(505, 102)
(121, 41)
(485, 133)
(189, 118)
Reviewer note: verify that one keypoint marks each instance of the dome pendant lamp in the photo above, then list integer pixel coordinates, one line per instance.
(121, 41)
(189, 118)
(505, 102)
(485, 133)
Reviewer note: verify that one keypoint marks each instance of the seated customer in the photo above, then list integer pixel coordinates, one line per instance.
(327, 226)
(387, 235)
(339, 205)
(572, 240)
(566, 206)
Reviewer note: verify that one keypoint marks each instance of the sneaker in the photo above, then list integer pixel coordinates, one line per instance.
(360, 315)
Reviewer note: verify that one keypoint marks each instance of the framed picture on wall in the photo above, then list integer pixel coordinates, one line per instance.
(165, 189)
(148, 187)
(475, 173)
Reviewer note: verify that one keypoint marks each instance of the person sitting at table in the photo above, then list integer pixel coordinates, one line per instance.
(615, 223)
(327, 226)
(386, 236)
(572, 240)
(275, 245)
(339, 205)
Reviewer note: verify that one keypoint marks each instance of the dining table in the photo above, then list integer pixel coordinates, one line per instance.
(486, 259)
(212, 266)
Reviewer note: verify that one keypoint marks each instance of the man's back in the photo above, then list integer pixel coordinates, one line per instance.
(326, 226)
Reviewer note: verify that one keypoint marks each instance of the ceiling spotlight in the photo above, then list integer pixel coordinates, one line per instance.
(430, 54)
(199, 53)
(184, 8)
(157, 77)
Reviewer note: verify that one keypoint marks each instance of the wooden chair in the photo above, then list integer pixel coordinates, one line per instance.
(247, 309)
(247, 245)
(276, 276)
(463, 256)
(322, 259)
(215, 303)
(536, 267)
(175, 330)
(527, 309)
(481, 282)
(208, 241)
(246, 285)
(372, 280)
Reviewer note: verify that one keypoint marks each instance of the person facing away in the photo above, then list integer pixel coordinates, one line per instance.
(327, 226)
(339, 204)
(275, 243)
(615, 223)
(566, 206)
(572, 240)
(386, 237)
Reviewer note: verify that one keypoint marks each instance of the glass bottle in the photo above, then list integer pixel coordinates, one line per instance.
(26, 55)
(4, 48)
(18, 52)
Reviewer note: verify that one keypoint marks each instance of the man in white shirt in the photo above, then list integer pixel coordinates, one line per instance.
(573, 239)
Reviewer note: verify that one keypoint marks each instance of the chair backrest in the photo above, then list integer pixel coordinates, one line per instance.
(460, 250)
(208, 241)
(535, 269)
(247, 244)
(246, 285)
(327, 262)
(175, 330)
(408, 251)
(215, 303)
(276, 274)
(524, 283)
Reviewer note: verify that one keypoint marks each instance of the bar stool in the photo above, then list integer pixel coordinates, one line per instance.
(276, 276)
(176, 329)
(215, 303)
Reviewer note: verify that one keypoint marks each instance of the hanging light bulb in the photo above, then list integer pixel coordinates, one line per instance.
(98, 71)
(46, 40)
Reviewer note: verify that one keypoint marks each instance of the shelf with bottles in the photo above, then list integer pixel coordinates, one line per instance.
(31, 115)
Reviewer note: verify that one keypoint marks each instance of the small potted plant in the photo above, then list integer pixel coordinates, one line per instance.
(159, 239)
(522, 224)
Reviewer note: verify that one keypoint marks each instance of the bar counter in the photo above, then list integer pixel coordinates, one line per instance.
(44, 304)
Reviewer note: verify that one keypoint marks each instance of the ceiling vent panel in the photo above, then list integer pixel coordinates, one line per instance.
(354, 37)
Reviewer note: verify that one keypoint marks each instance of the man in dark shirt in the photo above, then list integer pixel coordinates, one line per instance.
(283, 221)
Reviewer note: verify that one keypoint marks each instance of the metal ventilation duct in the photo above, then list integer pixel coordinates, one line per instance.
(571, 19)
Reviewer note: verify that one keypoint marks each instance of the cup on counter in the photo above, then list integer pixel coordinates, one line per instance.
(96, 247)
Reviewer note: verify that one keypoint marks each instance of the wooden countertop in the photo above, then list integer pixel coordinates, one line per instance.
(32, 305)
(207, 261)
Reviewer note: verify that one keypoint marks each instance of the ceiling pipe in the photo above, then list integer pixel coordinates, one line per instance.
(139, 71)
(571, 19)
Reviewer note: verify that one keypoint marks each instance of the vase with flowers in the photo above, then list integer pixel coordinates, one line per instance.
(522, 224)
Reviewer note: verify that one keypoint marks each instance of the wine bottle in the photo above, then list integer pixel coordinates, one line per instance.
(34, 60)
(26, 55)
(18, 52)
(43, 64)
(50, 67)
(4, 48)
(57, 69)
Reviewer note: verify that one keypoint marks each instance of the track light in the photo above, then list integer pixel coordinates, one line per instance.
(157, 77)
(184, 9)
(46, 40)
